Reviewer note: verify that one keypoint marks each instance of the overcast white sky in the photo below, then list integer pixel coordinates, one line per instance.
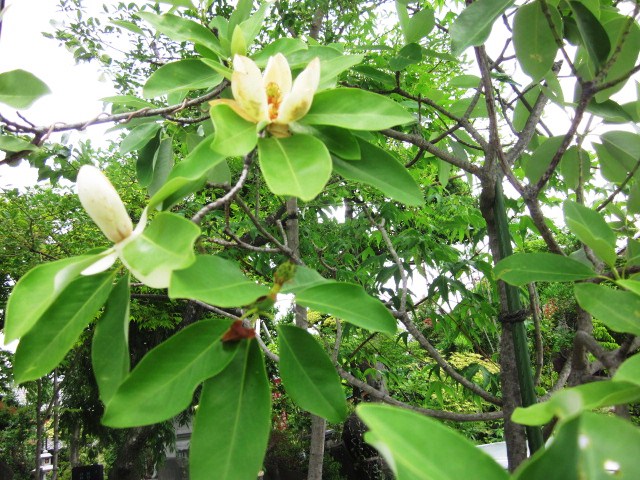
(76, 89)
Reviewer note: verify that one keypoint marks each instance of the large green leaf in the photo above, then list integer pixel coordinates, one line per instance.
(139, 137)
(624, 147)
(559, 461)
(163, 162)
(304, 277)
(234, 135)
(419, 448)
(522, 268)
(629, 371)
(309, 376)
(110, 344)
(9, 143)
(349, 302)
(592, 230)
(617, 309)
(19, 89)
(594, 37)
(617, 28)
(590, 446)
(533, 39)
(575, 167)
(183, 30)
(162, 384)
(473, 25)
(339, 141)
(537, 164)
(188, 175)
(37, 290)
(44, 346)
(298, 166)
(165, 245)
(382, 171)
(232, 424)
(356, 109)
(180, 76)
(573, 401)
(216, 281)
(418, 26)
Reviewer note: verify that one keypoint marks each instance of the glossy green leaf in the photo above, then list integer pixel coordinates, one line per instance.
(234, 135)
(575, 167)
(465, 81)
(330, 69)
(591, 229)
(534, 40)
(304, 277)
(616, 26)
(132, 27)
(298, 166)
(419, 25)
(9, 143)
(537, 164)
(594, 37)
(617, 309)
(251, 26)
(162, 165)
(420, 448)
(339, 141)
(382, 171)
(189, 175)
(216, 281)
(165, 245)
(559, 460)
(183, 75)
(110, 344)
(349, 302)
(139, 137)
(183, 30)
(408, 55)
(610, 111)
(145, 160)
(624, 147)
(631, 285)
(611, 167)
(232, 424)
(590, 446)
(629, 371)
(573, 401)
(522, 268)
(20, 89)
(376, 74)
(473, 25)
(42, 348)
(37, 290)
(162, 384)
(356, 110)
(309, 376)
(286, 46)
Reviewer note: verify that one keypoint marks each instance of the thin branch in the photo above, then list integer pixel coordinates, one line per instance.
(620, 187)
(225, 199)
(424, 144)
(443, 415)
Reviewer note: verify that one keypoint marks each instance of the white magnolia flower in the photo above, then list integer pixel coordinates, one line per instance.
(104, 206)
(272, 98)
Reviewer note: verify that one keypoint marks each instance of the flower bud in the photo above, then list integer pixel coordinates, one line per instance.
(103, 204)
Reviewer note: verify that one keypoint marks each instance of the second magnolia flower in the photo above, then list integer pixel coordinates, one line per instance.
(272, 99)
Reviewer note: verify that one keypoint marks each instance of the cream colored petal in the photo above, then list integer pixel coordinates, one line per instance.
(103, 204)
(104, 263)
(248, 89)
(278, 72)
(298, 102)
(235, 106)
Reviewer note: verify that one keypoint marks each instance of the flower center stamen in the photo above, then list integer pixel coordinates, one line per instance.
(274, 99)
